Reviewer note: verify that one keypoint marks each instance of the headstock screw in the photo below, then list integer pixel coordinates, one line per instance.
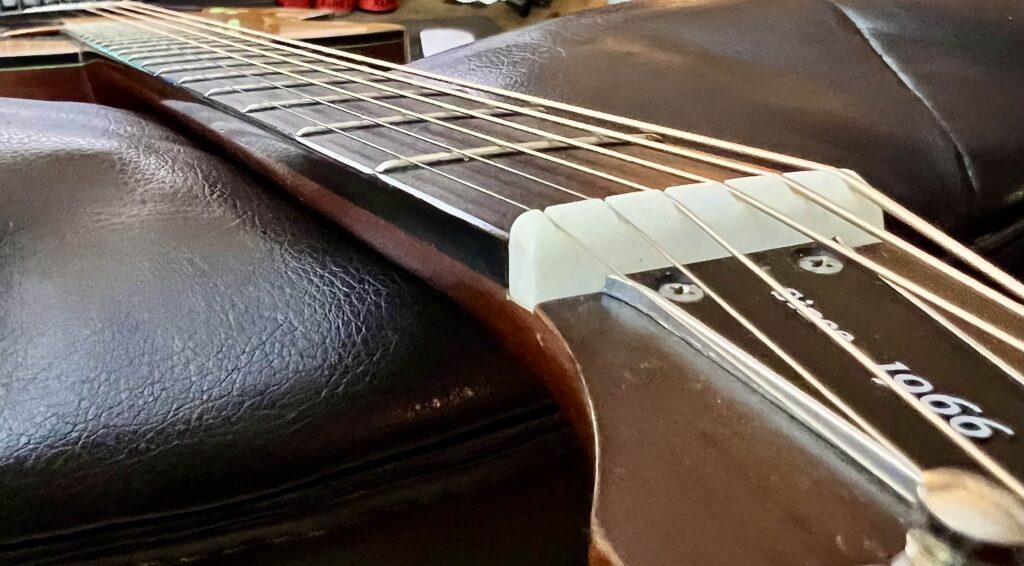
(681, 292)
(821, 264)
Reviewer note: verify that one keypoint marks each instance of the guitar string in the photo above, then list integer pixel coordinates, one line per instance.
(998, 333)
(823, 389)
(498, 141)
(828, 243)
(986, 291)
(886, 203)
(847, 216)
(379, 122)
(467, 155)
(914, 251)
(892, 207)
(826, 392)
(911, 286)
(979, 456)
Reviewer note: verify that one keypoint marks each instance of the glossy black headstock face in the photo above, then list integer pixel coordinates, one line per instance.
(946, 371)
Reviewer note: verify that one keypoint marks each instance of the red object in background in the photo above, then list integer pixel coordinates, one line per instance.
(378, 5)
(336, 5)
(294, 3)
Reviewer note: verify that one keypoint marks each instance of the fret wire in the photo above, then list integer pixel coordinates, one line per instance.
(179, 58)
(979, 456)
(233, 75)
(887, 204)
(488, 150)
(194, 67)
(394, 119)
(312, 100)
(135, 52)
(852, 254)
(272, 86)
(145, 41)
(159, 51)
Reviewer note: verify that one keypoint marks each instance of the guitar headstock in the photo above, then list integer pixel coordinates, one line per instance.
(793, 315)
(679, 394)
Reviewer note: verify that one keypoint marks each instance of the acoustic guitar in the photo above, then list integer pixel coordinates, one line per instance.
(759, 351)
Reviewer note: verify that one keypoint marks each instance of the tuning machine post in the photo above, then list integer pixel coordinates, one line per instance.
(966, 520)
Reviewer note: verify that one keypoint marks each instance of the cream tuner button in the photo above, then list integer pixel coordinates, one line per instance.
(968, 520)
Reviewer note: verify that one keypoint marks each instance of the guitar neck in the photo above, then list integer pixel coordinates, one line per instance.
(362, 113)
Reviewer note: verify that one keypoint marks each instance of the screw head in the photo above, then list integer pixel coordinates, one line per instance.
(821, 264)
(681, 292)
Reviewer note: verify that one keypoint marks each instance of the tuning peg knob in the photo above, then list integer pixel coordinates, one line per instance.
(967, 520)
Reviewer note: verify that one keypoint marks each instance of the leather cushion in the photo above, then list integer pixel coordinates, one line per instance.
(920, 97)
(176, 338)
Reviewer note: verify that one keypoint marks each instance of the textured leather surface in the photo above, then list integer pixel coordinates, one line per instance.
(920, 97)
(177, 338)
